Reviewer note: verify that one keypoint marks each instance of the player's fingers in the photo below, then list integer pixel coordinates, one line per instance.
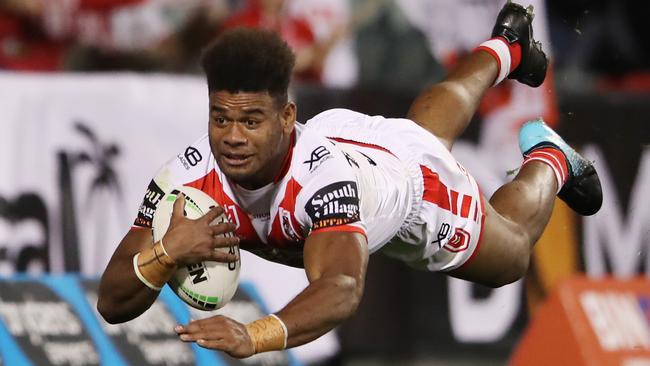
(223, 228)
(217, 344)
(211, 323)
(214, 212)
(179, 206)
(188, 333)
(224, 242)
(202, 334)
(223, 257)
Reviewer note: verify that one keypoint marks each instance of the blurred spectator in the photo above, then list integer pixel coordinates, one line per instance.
(156, 35)
(294, 29)
(330, 20)
(95, 35)
(24, 44)
(37, 34)
(394, 54)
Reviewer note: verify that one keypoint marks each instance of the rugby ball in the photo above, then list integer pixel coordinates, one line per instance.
(206, 285)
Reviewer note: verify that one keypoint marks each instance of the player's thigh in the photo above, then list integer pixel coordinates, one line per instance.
(502, 255)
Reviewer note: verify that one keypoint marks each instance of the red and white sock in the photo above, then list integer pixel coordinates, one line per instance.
(553, 158)
(508, 55)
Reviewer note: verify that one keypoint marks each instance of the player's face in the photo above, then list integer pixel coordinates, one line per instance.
(249, 135)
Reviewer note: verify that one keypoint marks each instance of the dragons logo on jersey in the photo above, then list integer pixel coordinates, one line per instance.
(287, 227)
(334, 205)
(149, 204)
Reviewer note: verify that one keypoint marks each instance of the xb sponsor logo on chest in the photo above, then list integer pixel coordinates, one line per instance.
(319, 155)
(333, 205)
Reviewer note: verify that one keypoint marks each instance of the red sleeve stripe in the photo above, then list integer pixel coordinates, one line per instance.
(362, 144)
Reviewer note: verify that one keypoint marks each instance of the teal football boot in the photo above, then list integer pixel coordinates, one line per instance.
(582, 190)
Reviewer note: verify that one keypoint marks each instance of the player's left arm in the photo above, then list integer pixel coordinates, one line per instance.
(335, 264)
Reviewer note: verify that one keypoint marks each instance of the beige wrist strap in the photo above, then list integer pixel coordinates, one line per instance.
(268, 334)
(153, 266)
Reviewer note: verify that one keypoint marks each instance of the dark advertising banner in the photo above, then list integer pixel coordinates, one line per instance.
(246, 306)
(53, 321)
(45, 328)
(148, 339)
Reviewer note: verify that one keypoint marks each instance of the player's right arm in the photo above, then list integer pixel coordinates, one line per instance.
(123, 295)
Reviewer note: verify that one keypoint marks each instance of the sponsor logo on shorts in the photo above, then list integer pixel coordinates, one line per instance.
(149, 204)
(459, 242)
(334, 205)
(317, 157)
(443, 233)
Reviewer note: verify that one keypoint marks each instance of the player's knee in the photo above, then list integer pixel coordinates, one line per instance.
(515, 261)
(515, 271)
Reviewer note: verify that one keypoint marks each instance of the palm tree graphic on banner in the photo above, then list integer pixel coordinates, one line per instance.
(103, 197)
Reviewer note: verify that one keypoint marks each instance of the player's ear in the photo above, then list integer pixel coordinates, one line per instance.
(288, 117)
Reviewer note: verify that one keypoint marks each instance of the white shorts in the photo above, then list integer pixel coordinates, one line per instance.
(443, 228)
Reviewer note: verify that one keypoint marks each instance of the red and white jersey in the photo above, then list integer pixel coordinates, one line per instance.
(345, 171)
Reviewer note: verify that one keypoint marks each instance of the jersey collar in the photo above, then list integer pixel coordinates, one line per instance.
(286, 163)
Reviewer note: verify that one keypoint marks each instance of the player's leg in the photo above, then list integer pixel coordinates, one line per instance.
(518, 212)
(446, 108)
(516, 216)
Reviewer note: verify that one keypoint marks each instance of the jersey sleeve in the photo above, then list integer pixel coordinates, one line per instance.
(329, 199)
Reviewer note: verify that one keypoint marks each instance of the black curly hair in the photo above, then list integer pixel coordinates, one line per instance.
(249, 60)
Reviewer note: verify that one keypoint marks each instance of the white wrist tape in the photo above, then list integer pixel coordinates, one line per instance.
(284, 326)
(141, 277)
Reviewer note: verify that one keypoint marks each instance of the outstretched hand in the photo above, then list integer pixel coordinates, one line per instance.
(190, 241)
(218, 333)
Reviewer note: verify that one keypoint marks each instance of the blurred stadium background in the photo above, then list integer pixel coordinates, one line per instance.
(96, 94)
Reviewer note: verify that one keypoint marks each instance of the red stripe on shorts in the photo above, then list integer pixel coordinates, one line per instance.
(465, 205)
(435, 191)
(454, 202)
